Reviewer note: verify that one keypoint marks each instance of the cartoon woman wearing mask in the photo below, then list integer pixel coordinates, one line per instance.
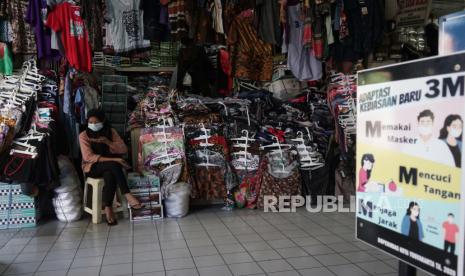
(368, 160)
(411, 224)
(451, 134)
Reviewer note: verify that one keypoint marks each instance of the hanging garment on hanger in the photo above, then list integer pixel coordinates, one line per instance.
(268, 21)
(251, 57)
(66, 18)
(177, 19)
(36, 11)
(22, 34)
(153, 29)
(302, 62)
(92, 11)
(126, 25)
(217, 16)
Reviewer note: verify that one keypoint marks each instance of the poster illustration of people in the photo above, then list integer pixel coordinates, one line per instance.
(409, 162)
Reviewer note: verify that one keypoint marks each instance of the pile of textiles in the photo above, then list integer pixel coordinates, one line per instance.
(153, 109)
(239, 149)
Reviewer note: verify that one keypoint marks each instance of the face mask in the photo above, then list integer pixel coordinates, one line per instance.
(455, 132)
(95, 127)
(425, 130)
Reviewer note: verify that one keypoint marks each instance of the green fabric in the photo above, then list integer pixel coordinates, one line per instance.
(6, 61)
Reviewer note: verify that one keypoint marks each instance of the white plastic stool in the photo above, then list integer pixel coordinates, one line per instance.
(96, 207)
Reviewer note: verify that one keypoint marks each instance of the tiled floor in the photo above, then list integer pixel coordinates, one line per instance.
(210, 242)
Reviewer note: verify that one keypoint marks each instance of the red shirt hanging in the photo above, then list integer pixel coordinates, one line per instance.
(66, 18)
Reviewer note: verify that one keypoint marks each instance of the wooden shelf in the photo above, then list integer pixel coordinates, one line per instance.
(143, 69)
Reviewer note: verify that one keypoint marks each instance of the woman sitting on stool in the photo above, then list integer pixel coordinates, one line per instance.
(102, 148)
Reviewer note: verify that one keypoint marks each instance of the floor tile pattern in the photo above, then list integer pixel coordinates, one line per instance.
(209, 242)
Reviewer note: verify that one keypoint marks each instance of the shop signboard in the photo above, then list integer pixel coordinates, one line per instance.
(451, 33)
(410, 182)
(413, 13)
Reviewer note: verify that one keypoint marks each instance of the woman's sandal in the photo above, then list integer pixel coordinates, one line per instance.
(113, 223)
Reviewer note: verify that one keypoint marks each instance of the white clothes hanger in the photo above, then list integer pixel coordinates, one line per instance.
(300, 137)
(276, 144)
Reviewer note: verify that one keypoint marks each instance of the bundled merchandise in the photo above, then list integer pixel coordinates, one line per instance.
(233, 150)
(162, 153)
(153, 109)
(16, 210)
(146, 188)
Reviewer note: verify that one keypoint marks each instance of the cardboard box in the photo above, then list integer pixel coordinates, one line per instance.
(16, 210)
(146, 213)
(140, 183)
(148, 198)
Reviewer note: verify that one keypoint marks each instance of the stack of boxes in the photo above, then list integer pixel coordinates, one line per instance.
(146, 188)
(16, 209)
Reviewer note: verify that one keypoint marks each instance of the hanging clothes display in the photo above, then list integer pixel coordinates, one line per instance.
(65, 18)
(177, 19)
(251, 57)
(301, 60)
(36, 17)
(22, 34)
(129, 36)
(92, 11)
(358, 28)
(153, 29)
(216, 10)
(269, 29)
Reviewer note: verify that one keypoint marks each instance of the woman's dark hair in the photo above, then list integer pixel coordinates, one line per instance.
(368, 157)
(105, 131)
(410, 206)
(447, 123)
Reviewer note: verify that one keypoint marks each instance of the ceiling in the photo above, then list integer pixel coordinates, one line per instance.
(443, 7)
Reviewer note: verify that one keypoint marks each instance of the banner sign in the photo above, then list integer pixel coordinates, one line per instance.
(409, 159)
(413, 13)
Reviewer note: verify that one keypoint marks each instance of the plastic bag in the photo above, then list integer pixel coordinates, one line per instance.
(69, 178)
(177, 200)
(68, 197)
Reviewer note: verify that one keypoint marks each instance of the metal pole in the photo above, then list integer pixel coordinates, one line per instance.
(406, 269)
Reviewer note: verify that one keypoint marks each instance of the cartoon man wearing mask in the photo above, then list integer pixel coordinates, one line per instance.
(427, 146)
